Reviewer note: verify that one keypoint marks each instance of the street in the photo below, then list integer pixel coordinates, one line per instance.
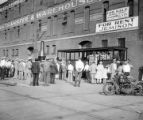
(62, 101)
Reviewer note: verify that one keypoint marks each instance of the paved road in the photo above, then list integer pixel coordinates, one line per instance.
(62, 101)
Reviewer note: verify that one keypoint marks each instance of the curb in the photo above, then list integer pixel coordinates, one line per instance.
(9, 83)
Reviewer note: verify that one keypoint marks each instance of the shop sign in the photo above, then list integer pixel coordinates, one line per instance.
(11, 4)
(122, 24)
(118, 13)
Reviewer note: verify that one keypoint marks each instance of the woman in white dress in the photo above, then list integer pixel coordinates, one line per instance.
(100, 72)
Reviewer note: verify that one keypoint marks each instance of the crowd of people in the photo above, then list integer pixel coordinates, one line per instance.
(46, 71)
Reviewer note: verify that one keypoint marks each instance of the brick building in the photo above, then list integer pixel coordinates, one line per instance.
(74, 25)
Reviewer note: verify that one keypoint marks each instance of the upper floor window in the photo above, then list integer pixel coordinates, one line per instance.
(131, 7)
(48, 49)
(41, 2)
(40, 25)
(6, 14)
(86, 17)
(105, 9)
(104, 43)
(17, 52)
(54, 49)
(121, 42)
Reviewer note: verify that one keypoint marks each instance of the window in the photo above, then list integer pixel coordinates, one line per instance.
(17, 52)
(49, 26)
(55, 25)
(41, 2)
(3, 52)
(40, 25)
(19, 9)
(48, 49)
(121, 42)
(72, 20)
(104, 43)
(6, 53)
(86, 18)
(13, 52)
(18, 31)
(131, 7)
(6, 13)
(65, 19)
(54, 49)
(5, 35)
(105, 9)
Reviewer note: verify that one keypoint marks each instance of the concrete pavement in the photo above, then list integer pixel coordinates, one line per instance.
(62, 101)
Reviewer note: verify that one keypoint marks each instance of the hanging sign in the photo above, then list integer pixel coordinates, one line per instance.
(122, 24)
(118, 13)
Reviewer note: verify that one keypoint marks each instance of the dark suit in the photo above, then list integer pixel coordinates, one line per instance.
(53, 71)
(35, 71)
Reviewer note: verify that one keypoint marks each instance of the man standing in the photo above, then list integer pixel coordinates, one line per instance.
(127, 68)
(46, 71)
(87, 72)
(93, 69)
(3, 62)
(113, 68)
(53, 71)
(79, 66)
(35, 71)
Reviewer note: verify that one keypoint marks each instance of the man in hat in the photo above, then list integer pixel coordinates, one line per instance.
(35, 71)
(53, 71)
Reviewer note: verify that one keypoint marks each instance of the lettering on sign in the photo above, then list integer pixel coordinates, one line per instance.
(3, 1)
(49, 12)
(118, 13)
(12, 5)
(122, 24)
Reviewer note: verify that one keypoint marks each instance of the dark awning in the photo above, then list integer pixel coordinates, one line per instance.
(93, 49)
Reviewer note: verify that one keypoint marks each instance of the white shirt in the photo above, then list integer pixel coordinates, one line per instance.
(3, 63)
(8, 64)
(86, 68)
(70, 67)
(126, 68)
(79, 66)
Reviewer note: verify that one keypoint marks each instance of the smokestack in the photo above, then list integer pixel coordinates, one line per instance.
(42, 51)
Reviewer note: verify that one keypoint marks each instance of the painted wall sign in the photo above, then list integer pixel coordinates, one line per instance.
(3, 1)
(122, 24)
(79, 20)
(118, 13)
(97, 16)
(49, 12)
(12, 5)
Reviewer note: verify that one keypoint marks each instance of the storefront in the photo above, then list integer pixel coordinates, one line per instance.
(105, 54)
